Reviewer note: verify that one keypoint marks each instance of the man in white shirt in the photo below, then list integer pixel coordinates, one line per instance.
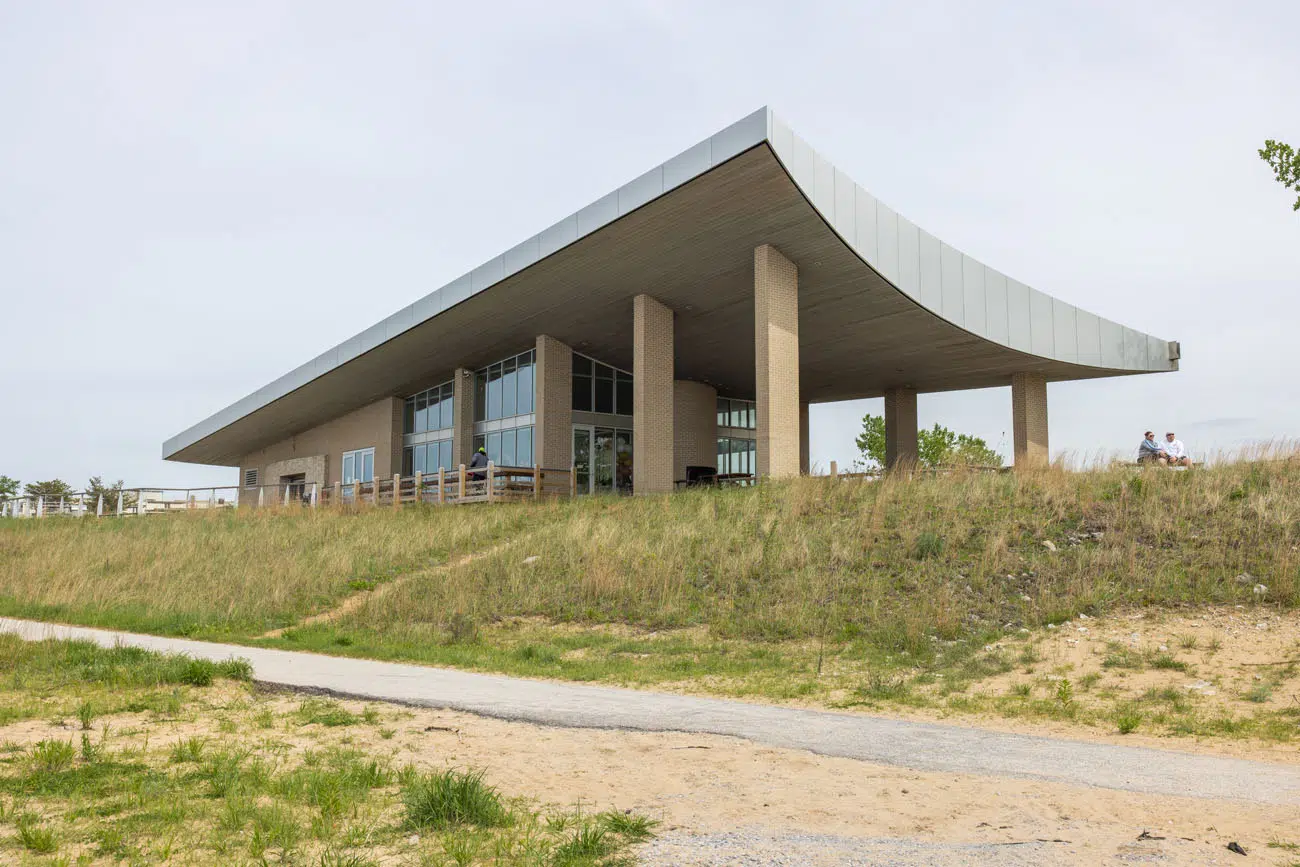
(1176, 451)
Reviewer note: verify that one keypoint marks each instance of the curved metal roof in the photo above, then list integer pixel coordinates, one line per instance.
(995, 322)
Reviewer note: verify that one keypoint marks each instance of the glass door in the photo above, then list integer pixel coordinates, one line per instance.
(582, 458)
(602, 460)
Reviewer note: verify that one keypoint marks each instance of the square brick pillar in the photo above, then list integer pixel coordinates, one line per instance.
(462, 430)
(805, 464)
(1029, 419)
(900, 429)
(776, 362)
(652, 396)
(695, 426)
(553, 404)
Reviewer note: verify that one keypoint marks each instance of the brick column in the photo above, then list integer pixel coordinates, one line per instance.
(1029, 419)
(776, 362)
(695, 426)
(805, 464)
(553, 404)
(652, 396)
(900, 429)
(462, 434)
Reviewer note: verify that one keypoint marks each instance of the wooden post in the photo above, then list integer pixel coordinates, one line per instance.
(40, 506)
(442, 486)
(338, 494)
(314, 494)
(835, 470)
(99, 507)
(286, 495)
(397, 489)
(460, 491)
(537, 481)
(212, 497)
(119, 503)
(491, 478)
(356, 493)
(573, 480)
(419, 482)
(261, 496)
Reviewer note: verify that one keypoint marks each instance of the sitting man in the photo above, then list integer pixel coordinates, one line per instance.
(1152, 452)
(1176, 451)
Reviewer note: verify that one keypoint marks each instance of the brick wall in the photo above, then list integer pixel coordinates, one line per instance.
(553, 405)
(776, 362)
(695, 426)
(1029, 419)
(652, 396)
(462, 433)
(377, 426)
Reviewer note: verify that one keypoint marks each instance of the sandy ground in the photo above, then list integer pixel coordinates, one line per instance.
(725, 801)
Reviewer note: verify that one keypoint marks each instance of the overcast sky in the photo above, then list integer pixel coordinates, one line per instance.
(168, 168)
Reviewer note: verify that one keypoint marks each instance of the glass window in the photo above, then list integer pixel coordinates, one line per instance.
(421, 412)
(509, 387)
(582, 459)
(604, 392)
(752, 417)
(724, 408)
(408, 460)
(494, 392)
(421, 464)
(524, 446)
(444, 454)
(480, 442)
(494, 447)
(737, 413)
(525, 403)
(408, 416)
(508, 448)
(359, 466)
(582, 392)
(623, 393)
(480, 395)
(581, 365)
(447, 407)
(623, 460)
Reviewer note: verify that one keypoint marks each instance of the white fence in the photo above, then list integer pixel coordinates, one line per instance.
(461, 486)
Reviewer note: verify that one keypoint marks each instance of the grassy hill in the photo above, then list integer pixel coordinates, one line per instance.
(837, 591)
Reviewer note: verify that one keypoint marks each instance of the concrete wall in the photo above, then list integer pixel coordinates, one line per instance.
(378, 425)
(695, 426)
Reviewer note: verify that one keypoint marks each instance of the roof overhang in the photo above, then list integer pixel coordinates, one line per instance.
(882, 303)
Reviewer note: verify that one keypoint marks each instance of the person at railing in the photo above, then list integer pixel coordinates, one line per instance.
(479, 463)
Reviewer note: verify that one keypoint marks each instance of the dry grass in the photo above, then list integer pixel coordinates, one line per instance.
(809, 590)
(223, 573)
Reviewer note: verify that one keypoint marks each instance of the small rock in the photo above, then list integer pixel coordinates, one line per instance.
(1197, 685)
(1049, 545)
(1050, 625)
(1024, 629)
(1260, 591)
(528, 561)
(414, 839)
(1244, 578)
(1234, 846)
(1164, 647)
(1024, 598)
(1083, 616)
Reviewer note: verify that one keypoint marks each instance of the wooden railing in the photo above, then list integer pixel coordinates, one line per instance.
(488, 484)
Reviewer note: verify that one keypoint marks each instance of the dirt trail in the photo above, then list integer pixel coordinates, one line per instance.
(351, 604)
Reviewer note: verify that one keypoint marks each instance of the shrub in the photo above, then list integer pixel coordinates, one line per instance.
(35, 838)
(52, 756)
(927, 545)
(1127, 721)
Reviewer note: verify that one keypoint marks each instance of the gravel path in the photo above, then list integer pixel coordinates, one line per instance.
(921, 746)
(755, 849)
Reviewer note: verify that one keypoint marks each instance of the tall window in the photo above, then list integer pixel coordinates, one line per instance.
(737, 414)
(359, 466)
(430, 410)
(512, 447)
(737, 455)
(504, 389)
(600, 388)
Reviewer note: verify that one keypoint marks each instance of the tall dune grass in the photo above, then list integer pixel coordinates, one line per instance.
(223, 572)
(897, 563)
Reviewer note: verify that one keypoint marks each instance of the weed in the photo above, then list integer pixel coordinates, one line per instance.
(86, 715)
(371, 715)
(1167, 662)
(452, 798)
(188, 750)
(583, 847)
(324, 712)
(50, 757)
(34, 837)
(1260, 693)
(928, 545)
(1022, 690)
(1065, 693)
(1188, 641)
(334, 858)
(628, 825)
(1127, 721)
(1089, 680)
(882, 687)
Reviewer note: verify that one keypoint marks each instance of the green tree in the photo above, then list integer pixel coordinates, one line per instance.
(50, 490)
(95, 487)
(8, 487)
(1284, 160)
(935, 447)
